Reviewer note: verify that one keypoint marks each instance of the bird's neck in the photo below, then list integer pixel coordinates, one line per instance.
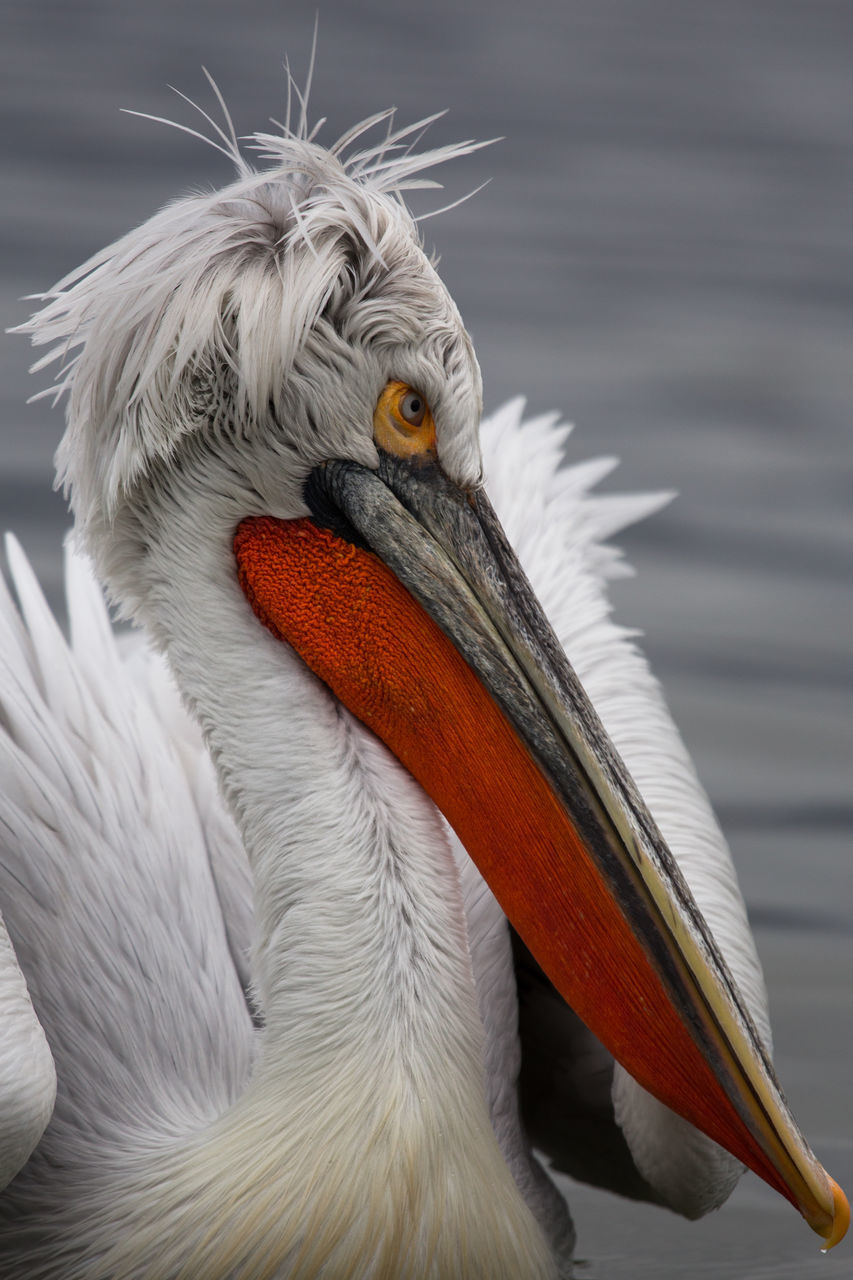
(364, 1130)
(360, 944)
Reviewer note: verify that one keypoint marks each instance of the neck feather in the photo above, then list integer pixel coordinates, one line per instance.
(364, 1131)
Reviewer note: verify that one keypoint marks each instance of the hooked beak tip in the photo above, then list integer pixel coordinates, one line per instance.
(837, 1229)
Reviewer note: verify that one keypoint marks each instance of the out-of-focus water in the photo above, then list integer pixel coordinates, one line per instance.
(665, 253)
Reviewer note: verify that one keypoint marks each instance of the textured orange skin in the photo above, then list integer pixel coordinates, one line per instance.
(364, 635)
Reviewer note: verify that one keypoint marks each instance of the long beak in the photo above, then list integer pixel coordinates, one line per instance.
(450, 659)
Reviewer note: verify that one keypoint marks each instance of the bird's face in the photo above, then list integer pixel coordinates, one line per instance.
(384, 326)
(227, 454)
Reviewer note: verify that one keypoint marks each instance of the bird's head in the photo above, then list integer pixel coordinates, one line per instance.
(258, 324)
(275, 372)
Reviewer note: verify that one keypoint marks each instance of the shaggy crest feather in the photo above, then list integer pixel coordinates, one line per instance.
(235, 277)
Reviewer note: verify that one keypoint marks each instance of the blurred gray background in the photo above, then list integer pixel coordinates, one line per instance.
(665, 253)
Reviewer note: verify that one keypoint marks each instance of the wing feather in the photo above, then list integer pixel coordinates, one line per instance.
(106, 881)
(27, 1074)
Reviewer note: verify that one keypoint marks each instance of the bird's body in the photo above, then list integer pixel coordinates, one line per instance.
(279, 996)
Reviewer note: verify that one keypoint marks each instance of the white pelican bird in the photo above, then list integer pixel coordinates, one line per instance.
(283, 1013)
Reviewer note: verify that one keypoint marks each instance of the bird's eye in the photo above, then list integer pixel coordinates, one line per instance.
(402, 422)
(412, 408)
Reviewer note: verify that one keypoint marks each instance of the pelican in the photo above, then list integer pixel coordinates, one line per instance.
(303, 960)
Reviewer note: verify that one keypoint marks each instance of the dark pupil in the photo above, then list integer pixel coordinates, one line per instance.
(412, 407)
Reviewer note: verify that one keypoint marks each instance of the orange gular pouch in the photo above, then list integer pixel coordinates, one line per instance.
(383, 657)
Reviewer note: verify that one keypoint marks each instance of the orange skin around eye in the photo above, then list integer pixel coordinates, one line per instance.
(391, 430)
(384, 658)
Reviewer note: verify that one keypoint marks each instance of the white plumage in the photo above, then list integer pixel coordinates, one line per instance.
(322, 1080)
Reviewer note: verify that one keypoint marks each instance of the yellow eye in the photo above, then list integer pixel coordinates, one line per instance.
(402, 422)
